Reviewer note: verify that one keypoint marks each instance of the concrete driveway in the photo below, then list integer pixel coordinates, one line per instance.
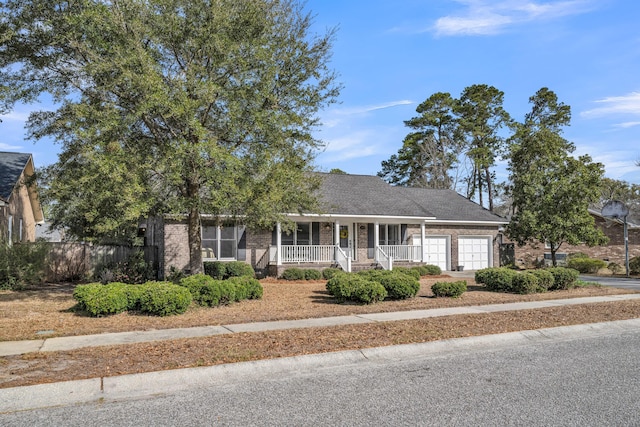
(616, 282)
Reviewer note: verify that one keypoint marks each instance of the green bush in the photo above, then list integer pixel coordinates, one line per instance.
(215, 269)
(164, 299)
(247, 288)
(209, 294)
(449, 289)
(545, 279)
(328, 273)
(22, 264)
(355, 287)
(408, 271)
(311, 274)
(293, 273)
(238, 269)
(432, 270)
(134, 270)
(99, 300)
(496, 279)
(525, 283)
(563, 278)
(634, 265)
(586, 265)
(577, 255)
(399, 285)
(615, 268)
(222, 270)
(195, 283)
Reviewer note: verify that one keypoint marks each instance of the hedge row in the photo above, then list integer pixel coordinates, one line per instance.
(155, 298)
(586, 265)
(164, 298)
(501, 279)
(210, 292)
(224, 270)
(372, 286)
(295, 273)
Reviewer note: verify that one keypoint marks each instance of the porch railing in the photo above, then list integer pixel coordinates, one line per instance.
(307, 253)
(343, 259)
(403, 252)
(384, 259)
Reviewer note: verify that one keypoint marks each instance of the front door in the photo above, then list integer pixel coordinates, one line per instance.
(346, 240)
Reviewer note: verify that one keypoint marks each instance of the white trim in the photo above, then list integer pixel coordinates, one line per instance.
(454, 222)
(364, 217)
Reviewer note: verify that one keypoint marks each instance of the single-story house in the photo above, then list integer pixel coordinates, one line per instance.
(364, 223)
(20, 210)
(612, 251)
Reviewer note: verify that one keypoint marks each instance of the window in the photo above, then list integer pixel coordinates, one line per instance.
(219, 242)
(10, 230)
(389, 234)
(304, 234)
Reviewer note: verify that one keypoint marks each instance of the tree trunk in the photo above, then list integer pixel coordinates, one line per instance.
(195, 241)
(489, 189)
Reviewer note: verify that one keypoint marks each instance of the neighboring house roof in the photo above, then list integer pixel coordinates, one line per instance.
(12, 166)
(630, 222)
(365, 195)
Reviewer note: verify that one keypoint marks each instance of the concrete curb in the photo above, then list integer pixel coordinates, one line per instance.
(166, 382)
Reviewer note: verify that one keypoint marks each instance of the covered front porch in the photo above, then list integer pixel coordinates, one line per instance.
(347, 242)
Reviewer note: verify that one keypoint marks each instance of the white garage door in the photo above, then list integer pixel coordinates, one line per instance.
(474, 252)
(436, 250)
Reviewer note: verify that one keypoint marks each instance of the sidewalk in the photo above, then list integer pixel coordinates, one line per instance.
(10, 348)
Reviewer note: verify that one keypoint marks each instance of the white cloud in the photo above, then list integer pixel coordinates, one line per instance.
(626, 104)
(15, 117)
(337, 116)
(626, 125)
(8, 147)
(619, 164)
(485, 17)
(358, 144)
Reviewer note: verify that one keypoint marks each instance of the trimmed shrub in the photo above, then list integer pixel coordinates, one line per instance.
(195, 283)
(355, 287)
(634, 265)
(311, 274)
(215, 269)
(577, 255)
(164, 299)
(545, 279)
(563, 278)
(99, 300)
(398, 284)
(525, 283)
(449, 289)
(328, 273)
(209, 294)
(247, 288)
(293, 273)
(496, 279)
(432, 270)
(586, 265)
(238, 269)
(408, 271)
(228, 293)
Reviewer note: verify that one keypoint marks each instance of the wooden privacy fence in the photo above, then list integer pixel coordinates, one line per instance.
(73, 261)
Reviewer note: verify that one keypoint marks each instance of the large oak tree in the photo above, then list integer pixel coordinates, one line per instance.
(202, 106)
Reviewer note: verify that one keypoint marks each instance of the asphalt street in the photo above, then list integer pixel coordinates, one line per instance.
(617, 282)
(587, 375)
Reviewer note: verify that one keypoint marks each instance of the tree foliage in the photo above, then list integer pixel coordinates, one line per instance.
(199, 106)
(430, 151)
(551, 191)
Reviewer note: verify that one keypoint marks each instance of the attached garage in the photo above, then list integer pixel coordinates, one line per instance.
(436, 250)
(475, 252)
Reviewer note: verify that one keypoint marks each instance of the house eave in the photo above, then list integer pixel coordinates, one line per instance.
(459, 222)
(362, 218)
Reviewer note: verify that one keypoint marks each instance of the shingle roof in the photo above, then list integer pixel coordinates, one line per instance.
(370, 195)
(11, 167)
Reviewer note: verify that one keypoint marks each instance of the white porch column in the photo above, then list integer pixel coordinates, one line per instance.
(376, 240)
(422, 241)
(278, 244)
(336, 235)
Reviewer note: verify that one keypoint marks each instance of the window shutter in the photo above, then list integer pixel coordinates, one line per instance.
(403, 234)
(370, 243)
(274, 236)
(242, 243)
(315, 233)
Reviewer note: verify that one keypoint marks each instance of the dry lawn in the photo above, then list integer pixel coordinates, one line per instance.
(46, 312)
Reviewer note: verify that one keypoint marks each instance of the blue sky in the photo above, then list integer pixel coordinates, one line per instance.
(392, 55)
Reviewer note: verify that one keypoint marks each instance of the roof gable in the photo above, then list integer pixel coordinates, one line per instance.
(11, 167)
